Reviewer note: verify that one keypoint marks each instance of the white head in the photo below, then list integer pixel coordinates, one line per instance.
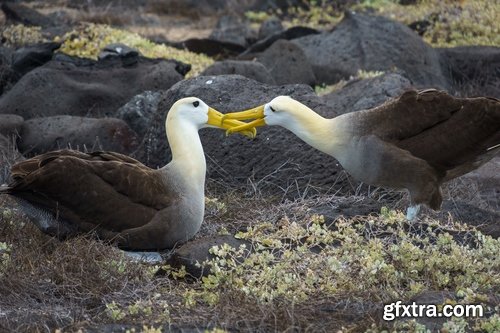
(191, 110)
(282, 111)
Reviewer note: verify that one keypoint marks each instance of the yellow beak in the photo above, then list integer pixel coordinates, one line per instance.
(216, 119)
(255, 113)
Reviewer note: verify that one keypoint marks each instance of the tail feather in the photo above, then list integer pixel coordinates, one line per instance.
(4, 189)
(436, 199)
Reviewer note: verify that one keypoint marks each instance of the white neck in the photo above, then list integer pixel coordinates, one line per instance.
(317, 131)
(187, 152)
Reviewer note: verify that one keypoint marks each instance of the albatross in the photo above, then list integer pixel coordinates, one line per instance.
(67, 192)
(417, 141)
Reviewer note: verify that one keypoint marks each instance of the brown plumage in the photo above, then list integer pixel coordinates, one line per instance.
(416, 141)
(109, 193)
(67, 192)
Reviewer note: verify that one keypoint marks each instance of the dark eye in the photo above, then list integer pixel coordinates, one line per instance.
(196, 103)
(272, 108)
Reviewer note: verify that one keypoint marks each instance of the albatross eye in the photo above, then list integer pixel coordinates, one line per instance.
(272, 108)
(196, 103)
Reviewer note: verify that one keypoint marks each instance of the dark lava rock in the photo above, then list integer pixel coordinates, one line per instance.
(486, 221)
(193, 9)
(82, 87)
(289, 34)
(250, 69)
(29, 57)
(211, 47)
(40, 135)
(234, 30)
(473, 69)
(487, 177)
(142, 115)
(287, 63)
(372, 43)
(119, 50)
(199, 8)
(192, 254)
(18, 13)
(281, 5)
(10, 124)
(7, 75)
(362, 94)
(139, 111)
(347, 207)
(270, 27)
(8, 155)
(275, 162)
(420, 27)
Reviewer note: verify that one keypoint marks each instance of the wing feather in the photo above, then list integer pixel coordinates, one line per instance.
(102, 189)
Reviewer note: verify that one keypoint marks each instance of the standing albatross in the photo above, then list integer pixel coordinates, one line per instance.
(65, 192)
(417, 141)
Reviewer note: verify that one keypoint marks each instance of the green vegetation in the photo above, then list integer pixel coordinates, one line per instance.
(295, 265)
(319, 14)
(88, 41)
(361, 74)
(299, 272)
(452, 23)
(375, 259)
(20, 35)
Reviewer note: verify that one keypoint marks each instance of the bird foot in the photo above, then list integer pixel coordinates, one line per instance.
(146, 257)
(412, 212)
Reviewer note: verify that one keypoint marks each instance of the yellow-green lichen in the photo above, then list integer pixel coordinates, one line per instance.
(88, 41)
(19, 35)
(361, 74)
(452, 23)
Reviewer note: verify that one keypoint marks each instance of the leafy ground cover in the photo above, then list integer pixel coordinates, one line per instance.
(298, 272)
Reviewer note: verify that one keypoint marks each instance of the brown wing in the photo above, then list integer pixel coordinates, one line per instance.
(463, 141)
(406, 116)
(452, 134)
(106, 189)
(27, 166)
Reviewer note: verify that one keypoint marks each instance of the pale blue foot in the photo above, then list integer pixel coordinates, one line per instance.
(412, 212)
(145, 257)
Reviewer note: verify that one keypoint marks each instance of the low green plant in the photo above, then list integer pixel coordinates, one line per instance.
(88, 40)
(324, 89)
(379, 259)
(114, 311)
(19, 35)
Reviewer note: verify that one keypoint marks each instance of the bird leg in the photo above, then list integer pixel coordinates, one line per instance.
(412, 212)
(147, 257)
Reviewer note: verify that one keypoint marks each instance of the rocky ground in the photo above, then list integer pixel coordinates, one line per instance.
(321, 252)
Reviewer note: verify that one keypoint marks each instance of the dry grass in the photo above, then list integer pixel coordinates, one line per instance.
(48, 284)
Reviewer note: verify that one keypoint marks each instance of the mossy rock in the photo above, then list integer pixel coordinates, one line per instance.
(88, 41)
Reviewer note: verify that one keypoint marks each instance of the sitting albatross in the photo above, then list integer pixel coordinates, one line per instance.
(417, 141)
(117, 196)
